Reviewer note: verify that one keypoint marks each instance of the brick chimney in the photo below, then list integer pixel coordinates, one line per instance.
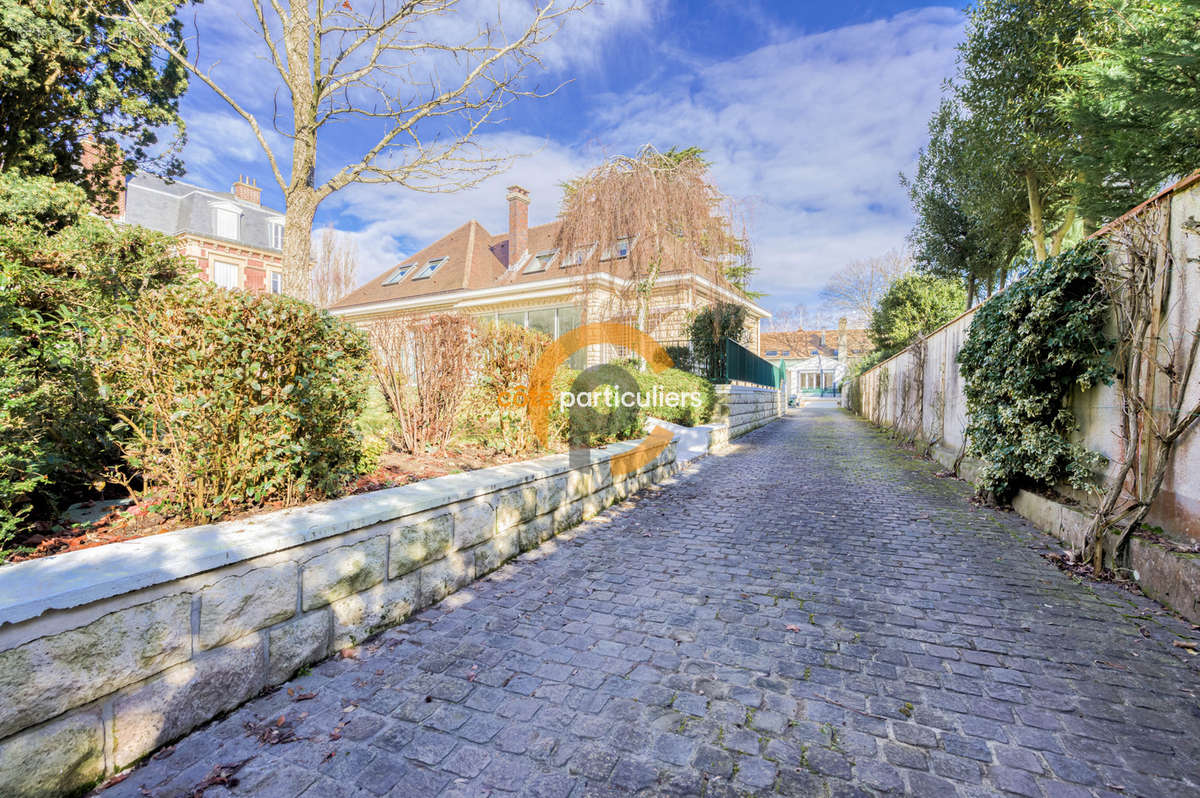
(843, 340)
(518, 223)
(94, 159)
(248, 190)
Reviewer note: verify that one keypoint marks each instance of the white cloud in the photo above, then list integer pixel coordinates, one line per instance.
(808, 132)
(811, 132)
(391, 222)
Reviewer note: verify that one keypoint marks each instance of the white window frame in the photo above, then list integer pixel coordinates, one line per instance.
(399, 274)
(578, 257)
(276, 229)
(230, 215)
(619, 249)
(233, 267)
(536, 264)
(275, 282)
(430, 267)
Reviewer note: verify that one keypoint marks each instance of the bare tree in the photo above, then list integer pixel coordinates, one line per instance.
(421, 83)
(801, 317)
(336, 270)
(422, 367)
(857, 288)
(643, 217)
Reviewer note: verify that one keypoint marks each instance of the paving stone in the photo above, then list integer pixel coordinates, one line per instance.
(655, 650)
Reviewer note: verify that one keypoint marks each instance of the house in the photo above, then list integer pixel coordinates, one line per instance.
(233, 238)
(519, 277)
(815, 359)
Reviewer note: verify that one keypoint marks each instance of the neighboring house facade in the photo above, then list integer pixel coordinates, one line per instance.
(815, 359)
(233, 239)
(520, 278)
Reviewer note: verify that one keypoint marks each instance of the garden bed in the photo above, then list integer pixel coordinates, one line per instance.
(113, 522)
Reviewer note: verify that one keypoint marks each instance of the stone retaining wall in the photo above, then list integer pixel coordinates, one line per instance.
(108, 653)
(744, 408)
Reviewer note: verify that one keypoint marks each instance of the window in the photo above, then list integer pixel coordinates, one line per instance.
(619, 250)
(429, 269)
(787, 353)
(276, 283)
(542, 320)
(276, 229)
(225, 274)
(226, 222)
(398, 275)
(516, 317)
(540, 261)
(577, 257)
(772, 353)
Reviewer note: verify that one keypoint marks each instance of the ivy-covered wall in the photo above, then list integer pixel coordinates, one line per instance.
(923, 396)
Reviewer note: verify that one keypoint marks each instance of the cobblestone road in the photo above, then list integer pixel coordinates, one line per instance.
(814, 613)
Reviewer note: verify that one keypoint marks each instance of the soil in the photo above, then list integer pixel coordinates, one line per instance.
(113, 523)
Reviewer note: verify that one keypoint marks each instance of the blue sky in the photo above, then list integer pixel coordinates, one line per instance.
(807, 109)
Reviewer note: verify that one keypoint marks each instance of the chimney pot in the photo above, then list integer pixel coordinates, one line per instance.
(518, 224)
(243, 189)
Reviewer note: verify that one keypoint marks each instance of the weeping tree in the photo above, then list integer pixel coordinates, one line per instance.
(644, 218)
(416, 79)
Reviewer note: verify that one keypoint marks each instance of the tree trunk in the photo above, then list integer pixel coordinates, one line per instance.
(297, 241)
(1063, 229)
(1037, 227)
(301, 196)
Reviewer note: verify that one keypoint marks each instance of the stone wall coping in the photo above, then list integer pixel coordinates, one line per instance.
(63, 581)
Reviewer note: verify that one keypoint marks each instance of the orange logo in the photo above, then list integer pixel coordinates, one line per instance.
(614, 334)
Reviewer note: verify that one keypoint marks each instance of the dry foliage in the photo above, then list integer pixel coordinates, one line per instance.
(857, 288)
(506, 356)
(422, 367)
(666, 209)
(1154, 370)
(336, 271)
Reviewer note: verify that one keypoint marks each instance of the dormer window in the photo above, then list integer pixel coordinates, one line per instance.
(619, 250)
(226, 222)
(540, 261)
(577, 257)
(276, 231)
(430, 268)
(399, 274)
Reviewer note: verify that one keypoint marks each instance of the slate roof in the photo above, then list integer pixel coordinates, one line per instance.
(179, 207)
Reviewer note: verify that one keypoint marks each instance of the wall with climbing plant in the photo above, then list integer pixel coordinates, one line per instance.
(1078, 378)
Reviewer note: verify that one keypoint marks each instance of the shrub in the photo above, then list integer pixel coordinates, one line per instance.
(235, 399)
(681, 356)
(64, 273)
(707, 332)
(608, 425)
(914, 305)
(377, 427)
(1027, 349)
(422, 366)
(684, 383)
(505, 358)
